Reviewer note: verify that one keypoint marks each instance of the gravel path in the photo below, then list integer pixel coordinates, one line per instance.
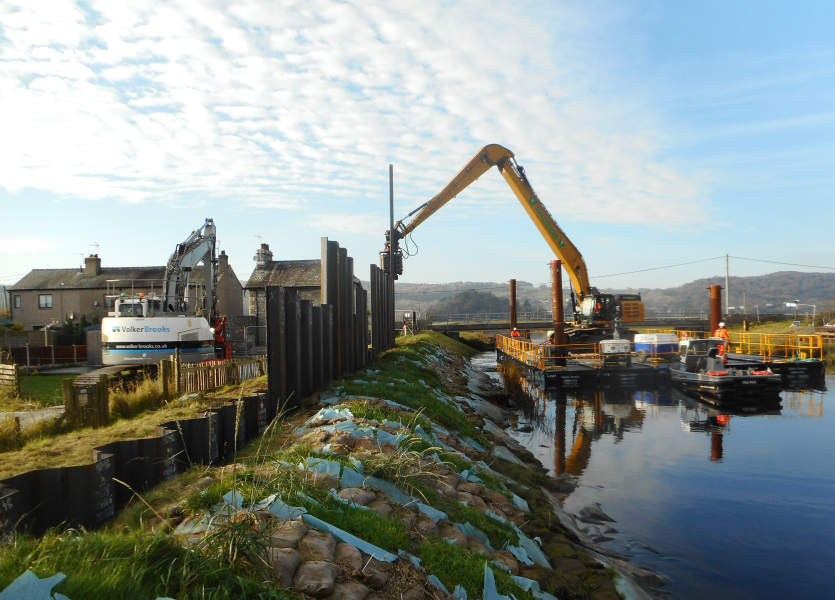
(32, 417)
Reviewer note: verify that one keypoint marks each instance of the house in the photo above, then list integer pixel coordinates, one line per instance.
(50, 296)
(303, 276)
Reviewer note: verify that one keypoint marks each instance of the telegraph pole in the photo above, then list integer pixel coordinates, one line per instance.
(727, 286)
(392, 273)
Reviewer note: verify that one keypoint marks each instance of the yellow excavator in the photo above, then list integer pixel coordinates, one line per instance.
(594, 312)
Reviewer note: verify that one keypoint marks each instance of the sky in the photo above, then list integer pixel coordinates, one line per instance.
(656, 133)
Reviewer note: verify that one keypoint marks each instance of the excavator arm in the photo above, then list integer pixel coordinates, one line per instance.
(502, 158)
(199, 246)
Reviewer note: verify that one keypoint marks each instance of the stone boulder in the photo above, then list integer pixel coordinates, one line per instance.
(348, 556)
(317, 578)
(507, 559)
(357, 496)
(285, 562)
(448, 531)
(316, 546)
(350, 590)
(288, 534)
(381, 507)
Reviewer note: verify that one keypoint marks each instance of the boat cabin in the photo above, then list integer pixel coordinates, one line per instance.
(702, 355)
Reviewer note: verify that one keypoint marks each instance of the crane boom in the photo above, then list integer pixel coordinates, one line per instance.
(199, 246)
(502, 158)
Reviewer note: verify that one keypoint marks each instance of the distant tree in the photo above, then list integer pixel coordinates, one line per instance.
(471, 301)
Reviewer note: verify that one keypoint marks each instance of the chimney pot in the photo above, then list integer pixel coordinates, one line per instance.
(92, 265)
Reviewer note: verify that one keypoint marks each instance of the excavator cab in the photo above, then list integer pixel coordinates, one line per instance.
(598, 308)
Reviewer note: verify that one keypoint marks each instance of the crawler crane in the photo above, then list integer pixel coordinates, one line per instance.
(594, 312)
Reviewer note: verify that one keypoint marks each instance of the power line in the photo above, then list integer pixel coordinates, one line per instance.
(499, 287)
(659, 268)
(774, 262)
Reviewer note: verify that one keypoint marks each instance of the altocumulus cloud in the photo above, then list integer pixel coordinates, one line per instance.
(298, 104)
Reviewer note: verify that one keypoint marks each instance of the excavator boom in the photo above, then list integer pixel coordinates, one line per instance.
(502, 158)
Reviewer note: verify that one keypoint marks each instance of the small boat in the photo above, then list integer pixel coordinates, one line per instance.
(702, 370)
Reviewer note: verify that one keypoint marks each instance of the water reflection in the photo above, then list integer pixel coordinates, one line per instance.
(729, 503)
(574, 421)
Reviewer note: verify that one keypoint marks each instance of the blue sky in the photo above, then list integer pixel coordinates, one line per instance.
(655, 132)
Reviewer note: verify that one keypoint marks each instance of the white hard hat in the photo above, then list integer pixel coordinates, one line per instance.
(722, 324)
(514, 329)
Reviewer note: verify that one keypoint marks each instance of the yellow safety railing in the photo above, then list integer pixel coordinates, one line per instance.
(768, 345)
(542, 356)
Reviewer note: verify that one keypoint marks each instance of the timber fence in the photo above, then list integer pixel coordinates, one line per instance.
(52, 356)
(10, 380)
(214, 374)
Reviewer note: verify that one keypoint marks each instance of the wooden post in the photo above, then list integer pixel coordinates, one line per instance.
(74, 355)
(103, 408)
(163, 374)
(70, 405)
(177, 372)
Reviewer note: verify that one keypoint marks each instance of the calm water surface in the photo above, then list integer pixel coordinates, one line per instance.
(727, 505)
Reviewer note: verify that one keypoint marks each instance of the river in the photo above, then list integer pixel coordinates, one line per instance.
(728, 506)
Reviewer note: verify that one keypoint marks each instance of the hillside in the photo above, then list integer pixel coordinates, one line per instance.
(472, 301)
(760, 291)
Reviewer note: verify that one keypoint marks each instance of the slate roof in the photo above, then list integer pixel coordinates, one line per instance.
(51, 279)
(287, 273)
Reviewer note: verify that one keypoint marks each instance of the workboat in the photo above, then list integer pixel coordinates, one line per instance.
(701, 370)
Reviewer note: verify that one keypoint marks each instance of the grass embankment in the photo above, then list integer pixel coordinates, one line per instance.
(133, 415)
(132, 557)
(483, 342)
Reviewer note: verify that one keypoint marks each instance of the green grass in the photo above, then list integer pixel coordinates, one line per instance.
(498, 533)
(425, 338)
(137, 565)
(46, 390)
(373, 412)
(387, 533)
(456, 566)
(491, 482)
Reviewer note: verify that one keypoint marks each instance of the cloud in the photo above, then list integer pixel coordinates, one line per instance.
(367, 224)
(304, 103)
(25, 245)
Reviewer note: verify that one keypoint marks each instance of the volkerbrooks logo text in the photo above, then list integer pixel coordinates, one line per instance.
(146, 329)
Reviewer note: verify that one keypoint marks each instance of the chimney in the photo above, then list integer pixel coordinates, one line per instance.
(92, 265)
(222, 262)
(263, 256)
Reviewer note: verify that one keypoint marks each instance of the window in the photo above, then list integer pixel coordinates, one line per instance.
(44, 300)
(17, 301)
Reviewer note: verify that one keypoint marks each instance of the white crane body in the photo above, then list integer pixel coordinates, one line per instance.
(144, 329)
